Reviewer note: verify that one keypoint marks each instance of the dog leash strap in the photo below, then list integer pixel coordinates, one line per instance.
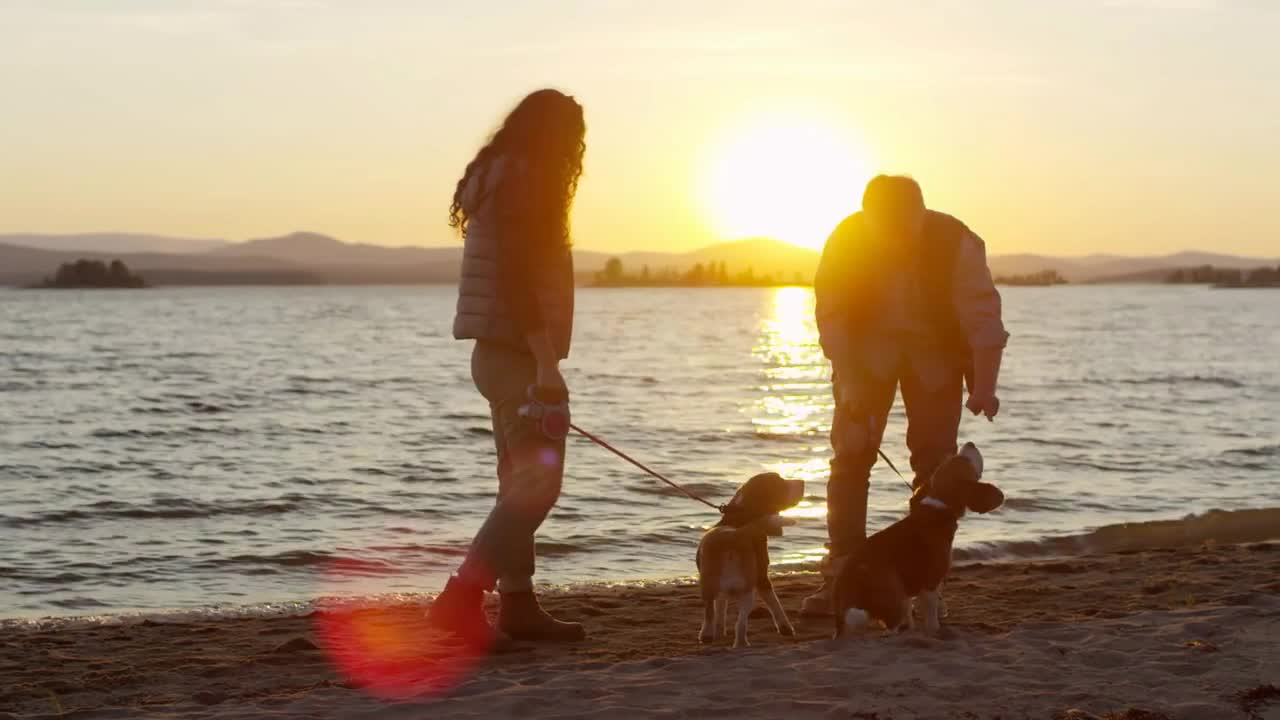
(875, 426)
(637, 463)
(894, 468)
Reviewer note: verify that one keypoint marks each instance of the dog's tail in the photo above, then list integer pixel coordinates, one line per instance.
(855, 618)
(850, 619)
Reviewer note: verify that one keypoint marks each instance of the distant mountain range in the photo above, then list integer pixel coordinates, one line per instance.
(1120, 268)
(114, 242)
(313, 258)
(306, 257)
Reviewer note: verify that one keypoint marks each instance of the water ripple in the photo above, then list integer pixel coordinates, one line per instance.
(197, 447)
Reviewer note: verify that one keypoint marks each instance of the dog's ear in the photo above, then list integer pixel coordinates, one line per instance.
(733, 514)
(730, 510)
(740, 507)
(984, 497)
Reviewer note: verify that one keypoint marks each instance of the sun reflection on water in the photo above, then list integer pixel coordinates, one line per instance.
(796, 396)
(794, 407)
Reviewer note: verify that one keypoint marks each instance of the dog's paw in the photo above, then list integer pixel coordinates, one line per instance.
(787, 630)
(706, 638)
(932, 628)
(739, 644)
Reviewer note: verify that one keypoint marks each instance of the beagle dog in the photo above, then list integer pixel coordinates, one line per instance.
(912, 557)
(733, 556)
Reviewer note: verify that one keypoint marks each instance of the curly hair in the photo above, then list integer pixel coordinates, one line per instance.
(547, 131)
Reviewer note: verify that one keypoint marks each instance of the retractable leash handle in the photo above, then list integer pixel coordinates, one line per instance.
(549, 409)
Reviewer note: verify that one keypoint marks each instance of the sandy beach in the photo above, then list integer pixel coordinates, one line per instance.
(1180, 633)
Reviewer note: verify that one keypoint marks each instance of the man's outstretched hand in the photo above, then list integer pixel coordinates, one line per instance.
(984, 404)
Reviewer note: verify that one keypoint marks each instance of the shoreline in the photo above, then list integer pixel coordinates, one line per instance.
(1183, 632)
(1222, 526)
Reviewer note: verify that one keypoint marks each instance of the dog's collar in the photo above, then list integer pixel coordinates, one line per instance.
(935, 503)
(938, 506)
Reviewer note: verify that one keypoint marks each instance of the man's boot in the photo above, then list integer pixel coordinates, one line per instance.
(819, 603)
(522, 618)
(850, 522)
(459, 611)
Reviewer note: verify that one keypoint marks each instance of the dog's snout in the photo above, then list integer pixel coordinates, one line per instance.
(971, 453)
(794, 492)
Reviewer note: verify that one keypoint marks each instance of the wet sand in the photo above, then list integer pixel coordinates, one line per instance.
(1181, 633)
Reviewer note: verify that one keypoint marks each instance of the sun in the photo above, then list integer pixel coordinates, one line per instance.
(788, 179)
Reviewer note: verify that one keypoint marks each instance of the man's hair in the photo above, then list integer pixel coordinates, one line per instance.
(892, 194)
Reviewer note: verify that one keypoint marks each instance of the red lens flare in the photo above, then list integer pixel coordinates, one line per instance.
(391, 651)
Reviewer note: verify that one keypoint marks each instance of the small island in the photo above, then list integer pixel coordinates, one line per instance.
(1044, 278)
(714, 274)
(1263, 277)
(92, 274)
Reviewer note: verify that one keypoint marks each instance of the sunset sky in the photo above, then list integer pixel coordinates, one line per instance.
(1120, 126)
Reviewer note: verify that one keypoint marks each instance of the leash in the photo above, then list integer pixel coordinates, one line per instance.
(893, 467)
(895, 470)
(690, 494)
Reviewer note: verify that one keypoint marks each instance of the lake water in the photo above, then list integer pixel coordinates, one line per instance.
(230, 447)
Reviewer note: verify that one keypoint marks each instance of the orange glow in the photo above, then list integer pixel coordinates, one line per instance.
(390, 651)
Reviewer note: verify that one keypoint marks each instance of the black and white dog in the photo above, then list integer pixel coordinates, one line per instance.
(909, 560)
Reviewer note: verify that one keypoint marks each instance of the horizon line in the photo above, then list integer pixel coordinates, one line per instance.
(712, 244)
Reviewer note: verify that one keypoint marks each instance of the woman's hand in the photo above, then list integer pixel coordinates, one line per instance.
(548, 362)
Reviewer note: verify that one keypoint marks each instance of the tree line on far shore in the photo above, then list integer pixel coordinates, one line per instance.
(85, 273)
(1226, 277)
(713, 274)
(717, 274)
(93, 274)
(1040, 279)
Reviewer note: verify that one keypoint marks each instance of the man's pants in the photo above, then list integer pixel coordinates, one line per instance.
(530, 472)
(933, 423)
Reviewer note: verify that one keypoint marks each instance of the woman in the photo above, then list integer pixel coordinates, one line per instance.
(516, 302)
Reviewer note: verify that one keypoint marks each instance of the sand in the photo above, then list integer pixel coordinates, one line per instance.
(1181, 633)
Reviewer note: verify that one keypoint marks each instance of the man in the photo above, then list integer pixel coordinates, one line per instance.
(903, 296)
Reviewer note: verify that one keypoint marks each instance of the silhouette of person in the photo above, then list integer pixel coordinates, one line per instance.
(515, 302)
(904, 297)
